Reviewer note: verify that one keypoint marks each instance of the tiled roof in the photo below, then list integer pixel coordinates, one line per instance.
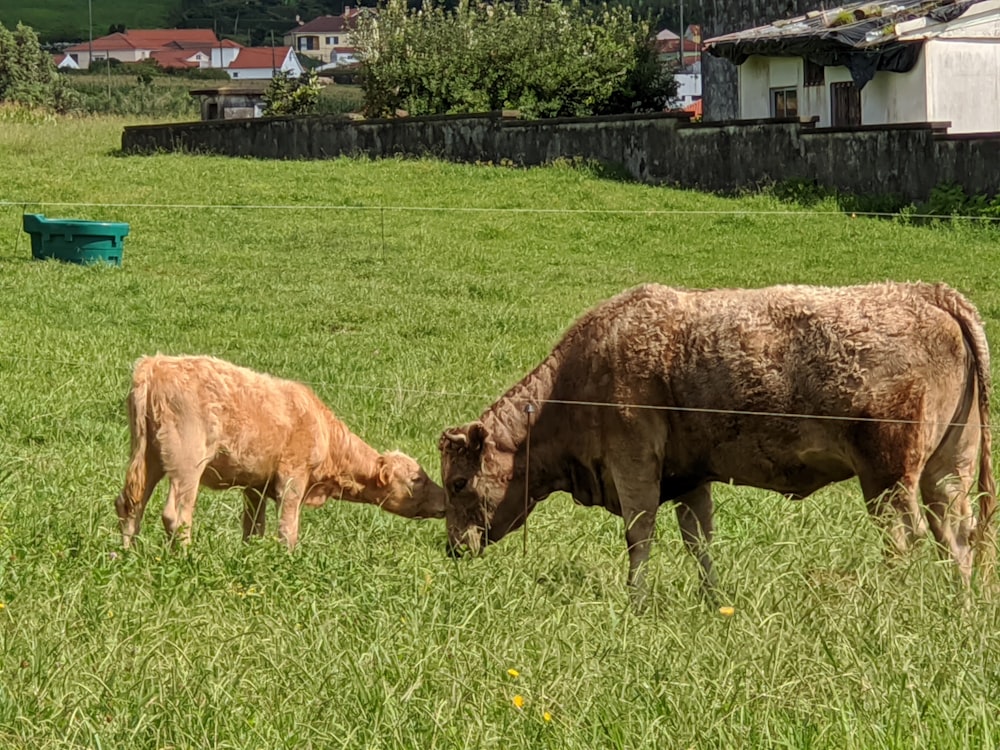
(176, 58)
(260, 57)
(150, 39)
(325, 24)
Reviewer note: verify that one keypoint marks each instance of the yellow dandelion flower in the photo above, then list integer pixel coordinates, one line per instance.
(518, 701)
(513, 673)
(546, 716)
(727, 611)
(2, 605)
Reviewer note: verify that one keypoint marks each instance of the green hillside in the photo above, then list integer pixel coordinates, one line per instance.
(67, 20)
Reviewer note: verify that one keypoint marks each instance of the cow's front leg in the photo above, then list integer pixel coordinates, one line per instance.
(639, 492)
(694, 516)
(289, 492)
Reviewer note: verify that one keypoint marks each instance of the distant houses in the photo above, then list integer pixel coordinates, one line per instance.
(183, 49)
(326, 38)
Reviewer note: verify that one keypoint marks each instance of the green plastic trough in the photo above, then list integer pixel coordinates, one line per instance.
(76, 241)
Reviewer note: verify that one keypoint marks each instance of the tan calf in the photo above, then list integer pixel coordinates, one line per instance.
(204, 421)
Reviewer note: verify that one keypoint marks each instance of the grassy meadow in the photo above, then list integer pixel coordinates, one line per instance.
(410, 294)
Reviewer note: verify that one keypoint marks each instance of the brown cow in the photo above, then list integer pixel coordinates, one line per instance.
(655, 394)
(203, 421)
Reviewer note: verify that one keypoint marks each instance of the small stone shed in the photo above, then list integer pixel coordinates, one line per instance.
(230, 102)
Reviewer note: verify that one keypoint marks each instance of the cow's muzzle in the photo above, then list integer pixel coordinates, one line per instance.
(467, 543)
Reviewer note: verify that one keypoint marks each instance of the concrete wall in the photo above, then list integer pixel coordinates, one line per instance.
(907, 160)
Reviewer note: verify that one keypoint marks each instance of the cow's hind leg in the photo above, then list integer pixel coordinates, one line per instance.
(946, 485)
(254, 512)
(694, 516)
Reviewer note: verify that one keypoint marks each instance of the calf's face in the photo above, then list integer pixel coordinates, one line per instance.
(408, 491)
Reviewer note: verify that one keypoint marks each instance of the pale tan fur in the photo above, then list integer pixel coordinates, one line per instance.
(204, 421)
(902, 368)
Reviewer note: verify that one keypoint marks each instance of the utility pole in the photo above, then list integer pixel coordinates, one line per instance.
(681, 22)
(90, 46)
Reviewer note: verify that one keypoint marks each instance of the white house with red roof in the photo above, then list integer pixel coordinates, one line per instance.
(64, 62)
(137, 45)
(255, 63)
(188, 48)
(326, 38)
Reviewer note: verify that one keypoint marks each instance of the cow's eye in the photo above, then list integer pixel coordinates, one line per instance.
(458, 485)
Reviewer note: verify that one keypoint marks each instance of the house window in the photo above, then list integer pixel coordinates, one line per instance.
(308, 42)
(784, 102)
(74, 57)
(813, 74)
(332, 41)
(845, 104)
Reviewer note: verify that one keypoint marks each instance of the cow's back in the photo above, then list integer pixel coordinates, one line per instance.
(758, 386)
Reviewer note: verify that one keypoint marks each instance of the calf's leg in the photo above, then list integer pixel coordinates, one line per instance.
(178, 513)
(289, 492)
(131, 502)
(254, 512)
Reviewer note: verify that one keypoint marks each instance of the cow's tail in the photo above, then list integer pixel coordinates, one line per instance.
(965, 313)
(138, 421)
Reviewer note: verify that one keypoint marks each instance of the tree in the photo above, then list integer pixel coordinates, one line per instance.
(541, 57)
(287, 95)
(27, 74)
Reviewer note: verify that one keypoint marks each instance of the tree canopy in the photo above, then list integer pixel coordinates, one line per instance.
(545, 58)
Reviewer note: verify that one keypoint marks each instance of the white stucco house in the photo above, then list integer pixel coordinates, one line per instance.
(260, 63)
(874, 63)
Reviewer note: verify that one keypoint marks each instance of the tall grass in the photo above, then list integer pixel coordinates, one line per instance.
(410, 294)
(123, 94)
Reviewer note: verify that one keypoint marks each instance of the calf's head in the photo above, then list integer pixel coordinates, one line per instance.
(477, 479)
(405, 489)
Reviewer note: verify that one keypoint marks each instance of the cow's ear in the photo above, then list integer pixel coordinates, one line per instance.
(467, 439)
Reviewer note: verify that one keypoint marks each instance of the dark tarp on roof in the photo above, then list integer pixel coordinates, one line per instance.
(863, 47)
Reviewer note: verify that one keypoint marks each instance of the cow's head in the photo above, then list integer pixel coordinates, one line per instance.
(405, 489)
(477, 478)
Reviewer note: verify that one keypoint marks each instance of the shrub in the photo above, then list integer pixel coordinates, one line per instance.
(287, 95)
(27, 74)
(540, 57)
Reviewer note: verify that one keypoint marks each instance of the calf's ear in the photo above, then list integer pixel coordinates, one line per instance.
(469, 439)
(383, 472)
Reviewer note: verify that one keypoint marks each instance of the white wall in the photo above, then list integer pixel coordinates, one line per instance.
(963, 83)
(223, 56)
(754, 82)
(896, 97)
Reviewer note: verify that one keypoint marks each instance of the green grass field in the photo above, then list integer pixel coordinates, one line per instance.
(410, 294)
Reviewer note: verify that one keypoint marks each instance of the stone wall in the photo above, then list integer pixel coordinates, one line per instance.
(907, 160)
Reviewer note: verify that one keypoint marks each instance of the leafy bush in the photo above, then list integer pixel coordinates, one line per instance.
(27, 74)
(287, 95)
(541, 57)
